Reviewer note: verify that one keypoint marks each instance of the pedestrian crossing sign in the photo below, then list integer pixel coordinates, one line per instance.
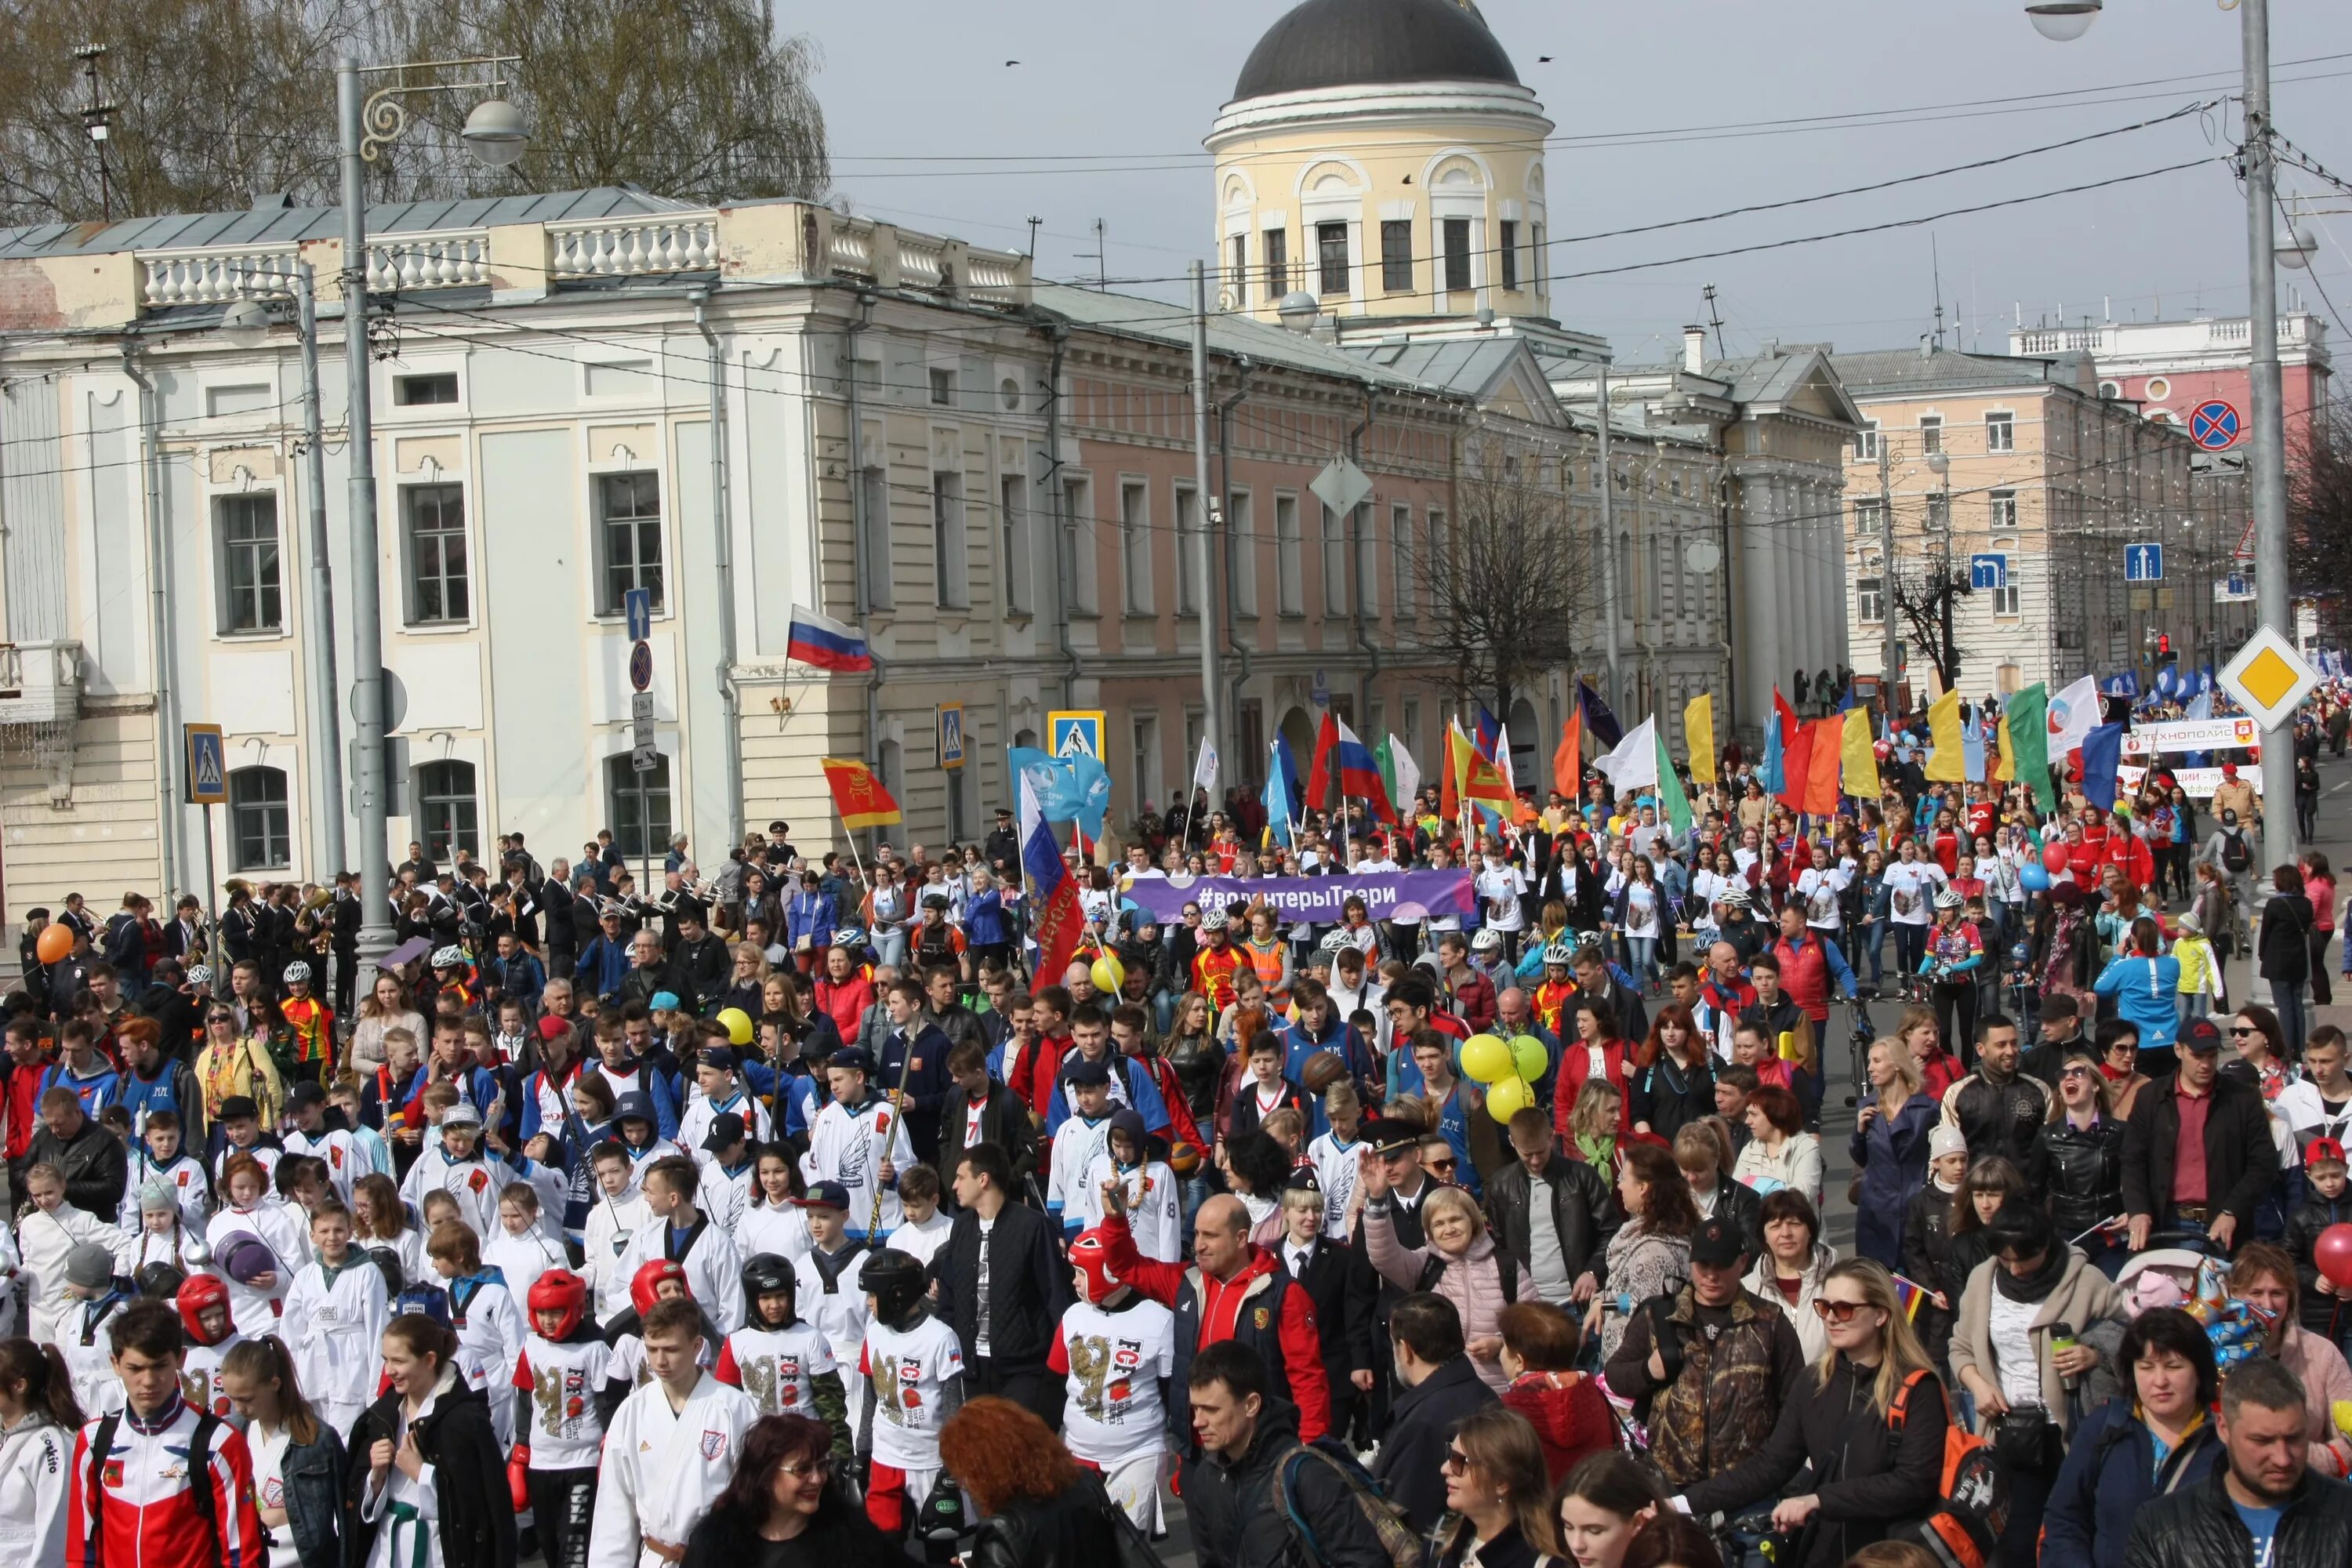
(207, 765)
(1075, 733)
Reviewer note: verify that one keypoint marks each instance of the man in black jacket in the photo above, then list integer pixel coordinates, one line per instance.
(1342, 1294)
(2262, 1505)
(93, 1162)
(1002, 1286)
(1999, 1108)
(700, 955)
(1441, 1387)
(1566, 1236)
(2198, 1112)
(1234, 1497)
(1002, 1119)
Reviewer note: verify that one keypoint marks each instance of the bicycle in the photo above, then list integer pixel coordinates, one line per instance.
(1865, 1033)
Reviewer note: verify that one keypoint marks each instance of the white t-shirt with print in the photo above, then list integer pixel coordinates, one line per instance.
(1113, 1362)
(909, 1371)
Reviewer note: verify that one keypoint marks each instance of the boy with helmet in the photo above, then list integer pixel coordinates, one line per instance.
(312, 1056)
(202, 1302)
(823, 1285)
(1118, 1349)
(783, 1363)
(913, 1366)
(558, 1428)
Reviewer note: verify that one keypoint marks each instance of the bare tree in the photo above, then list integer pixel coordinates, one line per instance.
(216, 101)
(1926, 592)
(2319, 506)
(1512, 585)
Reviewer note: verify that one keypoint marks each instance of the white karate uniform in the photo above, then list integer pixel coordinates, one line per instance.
(475, 1183)
(255, 1311)
(1152, 1207)
(46, 1238)
(611, 1226)
(347, 1161)
(663, 1469)
(333, 1328)
(33, 1462)
(89, 1355)
(842, 1148)
(783, 1231)
(491, 1334)
(521, 1259)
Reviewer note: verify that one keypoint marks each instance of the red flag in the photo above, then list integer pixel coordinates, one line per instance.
(1568, 761)
(1319, 775)
(1826, 739)
(1449, 803)
(1796, 762)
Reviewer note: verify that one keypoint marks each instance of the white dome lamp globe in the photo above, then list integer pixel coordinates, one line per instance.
(1298, 310)
(2062, 21)
(496, 133)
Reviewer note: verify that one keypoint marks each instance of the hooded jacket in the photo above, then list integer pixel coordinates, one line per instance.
(1411, 1460)
(1569, 1413)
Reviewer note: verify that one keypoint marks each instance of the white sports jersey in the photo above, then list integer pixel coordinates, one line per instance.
(1075, 1144)
(663, 1469)
(1114, 1362)
(778, 1367)
(1334, 1173)
(845, 1147)
(910, 1372)
(33, 1463)
(266, 1155)
(1152, 1207)
(839, 1316)
(611, 1226)
(332, 1326)
(694, 1122)
(475, 1183)
(921, 1242)
(346, 1162)
(556, 1384)
(200, 1382)
(713, 1271)
(723, 1196)
(783, 1231)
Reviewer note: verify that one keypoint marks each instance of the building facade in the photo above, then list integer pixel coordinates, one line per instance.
(2171, 368)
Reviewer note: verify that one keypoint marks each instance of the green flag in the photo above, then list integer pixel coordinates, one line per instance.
(2027, 715)
(1670, 792)
(1387, 761)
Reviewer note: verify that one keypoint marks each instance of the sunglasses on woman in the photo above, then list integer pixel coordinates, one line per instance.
(1446, 1164)
(1456, 1461)
(1839, 1312)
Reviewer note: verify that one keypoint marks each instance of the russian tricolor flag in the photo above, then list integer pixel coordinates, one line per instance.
(1360, 774)
(826, 643)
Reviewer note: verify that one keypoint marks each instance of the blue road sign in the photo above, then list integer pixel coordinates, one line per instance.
(639, 605)
(641, 666)
(1990, 570)
(207, 765)
(2214, 425)
(2144, 563)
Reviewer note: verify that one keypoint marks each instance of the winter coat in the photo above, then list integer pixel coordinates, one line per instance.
(476, 1523)
(1070, 1529)
(1998, 1119)
(93, 1162)
(1475, 1282)
(1813, 1335)
(2084, 1298)
(1642, 1264)
(2110, 1474)
(1798, 1166)
(2079, 1170)
(1412, 1461)
(2198, 1527)
(1237, 1515)
(1892, 1155)
(840, 1536)
(2283, 944)
(2241, 1161)
(2323, 1315)
(1569, 1413)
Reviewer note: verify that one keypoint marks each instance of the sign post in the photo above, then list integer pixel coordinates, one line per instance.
(638, 604)
(207, 771)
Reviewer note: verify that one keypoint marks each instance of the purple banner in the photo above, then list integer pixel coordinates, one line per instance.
(1317, 899)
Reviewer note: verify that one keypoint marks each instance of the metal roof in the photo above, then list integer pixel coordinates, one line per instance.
(1467, 365)
(278, 226)
(1350, 43)
(1230, 335)
(1948, 370)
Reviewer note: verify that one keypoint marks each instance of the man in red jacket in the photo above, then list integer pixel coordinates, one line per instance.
(28, 1062)
(1232, 1290)
(1809, 962)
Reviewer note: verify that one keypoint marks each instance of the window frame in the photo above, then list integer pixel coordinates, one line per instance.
(1869, 517)
(612, 593)
(267, 565)
(437, 379)
(1237, 269)
(1455, 275)
(1337, 582)
(1931, 433)
(1400, 537)
(276, 831)
(1331, 258)
(1014, 534)
(1274, 247)
(950, 542)
(1396, 256)
(1134, 585)
(412, 541)
(1187, 586)
(2000, 432)
(1869, 592)
(1865, 442)
(1240, 519)
(1506, 249)
(1290, 554)
(622, 804)
(464, 829)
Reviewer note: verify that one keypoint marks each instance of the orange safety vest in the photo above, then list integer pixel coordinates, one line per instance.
(1268, 961)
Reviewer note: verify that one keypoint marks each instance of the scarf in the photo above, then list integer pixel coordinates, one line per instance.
(2033, 1288)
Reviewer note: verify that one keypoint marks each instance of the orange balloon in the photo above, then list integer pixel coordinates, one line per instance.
(56, 941)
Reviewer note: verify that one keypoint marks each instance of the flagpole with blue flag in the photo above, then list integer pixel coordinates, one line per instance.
(1277, 796)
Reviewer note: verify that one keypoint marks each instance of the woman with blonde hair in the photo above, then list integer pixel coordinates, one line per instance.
(1889, 1148)
(386, 1006)
(1885, 1469)
(1923, 1036)
(1498, 1495)
(1471, 1266)
(1592, 1125)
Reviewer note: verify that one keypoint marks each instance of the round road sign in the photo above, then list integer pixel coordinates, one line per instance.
(641, 666)
(2214, 425)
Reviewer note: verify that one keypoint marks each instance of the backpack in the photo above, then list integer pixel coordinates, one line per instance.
(200, 1491)
(2235, 855)
(1963, 1530)
(1404, 1549)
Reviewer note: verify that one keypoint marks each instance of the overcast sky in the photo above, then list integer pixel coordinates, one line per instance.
(1104, 115)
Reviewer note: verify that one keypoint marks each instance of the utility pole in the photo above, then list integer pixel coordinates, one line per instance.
(97, 123)
(326, 713)
(1607, 480)
(1204, 521)
(1713, 317)
(2280, 839)
(1889, 660)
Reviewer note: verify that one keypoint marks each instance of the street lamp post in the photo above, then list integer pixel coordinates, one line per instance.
(494, 133)
(2066, 19)
(1947, 658)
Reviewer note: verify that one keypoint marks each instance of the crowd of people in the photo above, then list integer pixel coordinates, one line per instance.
(789, 1216)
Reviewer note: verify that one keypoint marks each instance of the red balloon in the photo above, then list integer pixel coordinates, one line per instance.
(2054, 856)
(2332, 1255)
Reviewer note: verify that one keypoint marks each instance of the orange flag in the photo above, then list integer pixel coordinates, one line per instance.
(1569, 759)
(858, 795)
(1826, 737)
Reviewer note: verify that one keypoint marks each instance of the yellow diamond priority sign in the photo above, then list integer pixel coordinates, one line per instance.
(2269, 677)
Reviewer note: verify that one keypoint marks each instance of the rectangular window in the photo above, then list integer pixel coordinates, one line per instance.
(629, 538)
(1869, 518)
(951, 549)
(435, 524)
(1456, 235)
(1335, 563)
(1135, 546)
(1401, 540)
(250, 597)
(1871, 595)
(1289, 550)
(1013, 507)
(942, 387)
(1188, 546)
(2004, 510)
(1939, 512)
(1441, 561)
(1396, 256)
(1536, 253)
(1331, 257)
(1363, 544)
(1865, 442)
(1507, 246)
(260, 822)
(1085, 564)
(1277, 263)
(1931, 433)
(2000, 433)
(1240, 516)
(1237, 274)
(1145, 767)
(2007, 600)
(414, 391)
(874, 500)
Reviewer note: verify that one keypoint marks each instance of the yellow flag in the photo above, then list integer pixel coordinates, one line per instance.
(1946, 763)
(2007, 770)
(1860, 762)
(1698, 734)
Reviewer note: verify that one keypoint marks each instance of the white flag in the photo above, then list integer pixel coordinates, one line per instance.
(2074, 714)
(1635, 762)
(1408, 777)
(1503, 759)
(1205, 770)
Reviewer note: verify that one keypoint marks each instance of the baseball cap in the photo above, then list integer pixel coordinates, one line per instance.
(1717, 1244)
(305, 1093)
(551, 1028)
(2320, 1149)
(663, 1002)
(857, 1056)
(2201, 1036)
(461, 1115)
(1081, 1073)
(726, 1131)
(825, 1195)
(636, 1105)
(723, 1057)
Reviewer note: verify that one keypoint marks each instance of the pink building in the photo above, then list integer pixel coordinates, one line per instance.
(2173, 368)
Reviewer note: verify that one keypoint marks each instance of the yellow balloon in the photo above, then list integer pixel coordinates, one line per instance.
(1507, 1097)
(1527, 1054)
(1485, 1058)
(738, 1025)
(1108, 975)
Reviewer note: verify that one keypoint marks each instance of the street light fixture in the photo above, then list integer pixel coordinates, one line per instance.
(496, 133)
(2297, 248)
(1298, 310)
(245, 325)
(2064, 21)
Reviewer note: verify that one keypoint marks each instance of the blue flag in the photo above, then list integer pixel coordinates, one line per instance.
(2102, 752)
(1602, 722)
(1295, 782)
(1972, 749)
(1774, 776)
(1076, 788)
(1277, 802)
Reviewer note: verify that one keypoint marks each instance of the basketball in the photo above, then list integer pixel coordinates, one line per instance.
(1322, 1069)
(1184, 1157)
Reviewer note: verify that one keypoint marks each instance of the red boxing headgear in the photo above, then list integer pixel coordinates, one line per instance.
(559, 1290)
(1091, 1257)
(649, 1279)
(201, 1291)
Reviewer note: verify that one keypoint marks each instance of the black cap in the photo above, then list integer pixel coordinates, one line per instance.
(1004, 811)
(305, 1093)
(780, 826)
(1717, 1244)
(239, 1108)
(937, 902)
(726, 1131)
(2201, 1036)
(1081, 1073)
(857, 1056)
